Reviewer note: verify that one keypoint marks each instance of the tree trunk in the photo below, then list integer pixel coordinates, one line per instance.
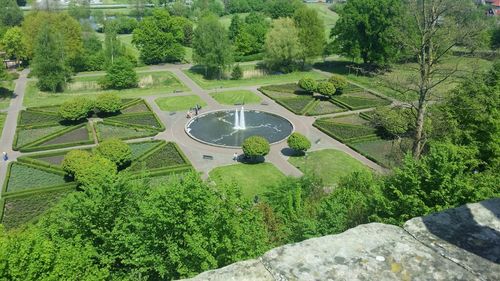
(419, 128)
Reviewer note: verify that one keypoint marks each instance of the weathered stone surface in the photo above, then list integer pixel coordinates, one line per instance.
(459, 244)
(468, 235)
(251, 270)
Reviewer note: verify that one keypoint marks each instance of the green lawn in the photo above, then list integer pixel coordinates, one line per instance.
(3, 116)
(385, 82)
(236, 97)
(6, 92)
(150, 83)
(256, 79)
(126, 40)
(252, 179)
(330, 165)
(179, 103)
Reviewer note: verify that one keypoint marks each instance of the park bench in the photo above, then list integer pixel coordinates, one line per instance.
(264, 103)
(208, 157)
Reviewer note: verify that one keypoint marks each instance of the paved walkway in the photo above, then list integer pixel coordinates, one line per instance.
(9, 129)
(175, 123)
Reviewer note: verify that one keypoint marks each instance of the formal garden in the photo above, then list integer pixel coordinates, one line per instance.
(38, 180)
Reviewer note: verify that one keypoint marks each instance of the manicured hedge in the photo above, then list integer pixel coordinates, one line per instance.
(135, 107)
(324, 107)
(355, 103)
(141, 148)
(28, 117)
(26, 136)
(298, 104)
(344, 132)
(109, 129)
(62, 139)
(23, 208)
(139, 119)
(291, 88)
(23, 176)
(164, 156)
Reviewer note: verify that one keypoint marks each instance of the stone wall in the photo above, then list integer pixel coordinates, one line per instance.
(457, 244)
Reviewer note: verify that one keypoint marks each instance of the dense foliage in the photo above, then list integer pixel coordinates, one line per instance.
(159, 38)
(325, 88)
(255, 146)
(115, 150)
(108, 103)
(76, 109)
(73, 161)
(339, 82)
(282, 47)
(308, 84)
(120, 75)
(311, 33)
(298, 142)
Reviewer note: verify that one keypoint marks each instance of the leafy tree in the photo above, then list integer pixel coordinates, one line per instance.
(159, 38)
(209, 6)
(67, 27)
(108, 102)
(365, 30)
(298, 142)
(49, 63)
(187, 29)
(326, 89)
(93, 56)
(237, 73)
(282, 8)
(73, 161)
(96, 171)
(348, 205)
(339, 82)
(235, 27)
(115, 150)
(10, 14)
(256, 146)
(495, 38)
(429, 30)
(123, 24)
(120, 75)
(76, 109)
(79, 9)
(440, 180)
(395, 122)
(282, 47)
(311, 32)
(211, 46)
(471, 114)
(13, 45)
(308, 84)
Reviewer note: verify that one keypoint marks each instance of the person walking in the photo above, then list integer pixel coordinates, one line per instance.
(5, 157)
(235, 156)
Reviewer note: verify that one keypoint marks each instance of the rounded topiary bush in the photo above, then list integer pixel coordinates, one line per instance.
(256, 146)
(308, 84)
(97, 171)
(115, 150)
(325, 88)
(108, 103)
(298, 142)
(339, 82)
(76, 109)
(74, 160)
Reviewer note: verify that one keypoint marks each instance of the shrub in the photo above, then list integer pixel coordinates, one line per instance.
(298, 142)
(338, 82)
(325, 89)
(237, 73)
(116, 151)
(76, 109)
(108, 102)
(73, 161)
(256, 146)
(96, 171)
(120, 75)
(308, 84)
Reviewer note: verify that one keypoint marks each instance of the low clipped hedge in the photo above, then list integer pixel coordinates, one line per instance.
(146, 119)
(37, 145)
(147, 132)
(166, 149)
(344, 132)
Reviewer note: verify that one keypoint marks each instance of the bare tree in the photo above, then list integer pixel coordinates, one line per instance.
(428, 32)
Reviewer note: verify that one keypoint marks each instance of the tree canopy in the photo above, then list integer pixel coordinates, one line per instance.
(282, 48)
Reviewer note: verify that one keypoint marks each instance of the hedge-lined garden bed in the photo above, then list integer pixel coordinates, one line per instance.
(37, 181)
(356, 131)
(41, 128)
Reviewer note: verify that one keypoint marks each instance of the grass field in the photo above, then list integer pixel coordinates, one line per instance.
(329, 165)
(6, 92)
(150, 83)
(253, 179)
(3, 116)
(400, 73)
(179, 103)
(257, 79)
(236, 97)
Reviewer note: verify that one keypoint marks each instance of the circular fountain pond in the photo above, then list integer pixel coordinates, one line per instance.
(229, 128)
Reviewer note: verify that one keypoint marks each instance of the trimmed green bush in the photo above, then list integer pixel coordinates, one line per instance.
(338, 82)
(308, 84)
(115, 150)
(73, 161)
(95, 171)
(108, 102)
(256, 146)
(237, 73)
(76, 109)
(325, 89)
(120, 75)
(298, 142)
